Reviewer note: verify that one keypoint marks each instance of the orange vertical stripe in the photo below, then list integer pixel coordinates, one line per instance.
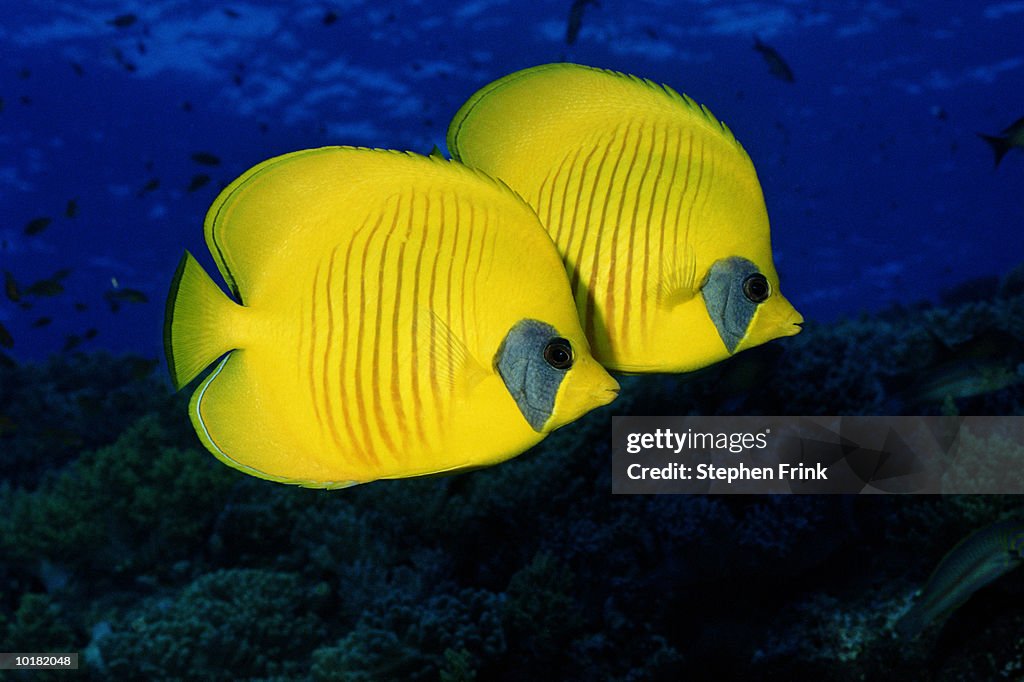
(590, 326)
(328, 407)
(375, 378)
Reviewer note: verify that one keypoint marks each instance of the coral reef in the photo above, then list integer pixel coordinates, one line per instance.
(127, 542)
(50, 413)
(226, 625)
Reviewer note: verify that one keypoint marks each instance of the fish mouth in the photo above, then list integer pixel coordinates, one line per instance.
(606, 396)
(794, 325)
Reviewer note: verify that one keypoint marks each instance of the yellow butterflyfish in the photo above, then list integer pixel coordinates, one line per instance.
(654, 206)
(395, 315)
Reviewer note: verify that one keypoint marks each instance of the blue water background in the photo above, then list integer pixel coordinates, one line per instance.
(878, 188)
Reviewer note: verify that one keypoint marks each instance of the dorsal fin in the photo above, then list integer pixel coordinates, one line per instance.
(488, 121)
(291, 199)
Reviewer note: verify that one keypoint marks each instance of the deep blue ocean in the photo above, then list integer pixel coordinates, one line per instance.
(878, 188)
(895, 233)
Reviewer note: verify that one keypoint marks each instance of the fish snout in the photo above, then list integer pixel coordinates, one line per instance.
(787, 320)
(607, 396)
(603, 387)
(794, 325)
(589, 387)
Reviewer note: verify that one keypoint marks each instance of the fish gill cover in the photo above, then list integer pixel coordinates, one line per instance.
(895, 233)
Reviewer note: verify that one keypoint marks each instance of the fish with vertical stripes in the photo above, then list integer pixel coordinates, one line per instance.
(654, 206)
(391, 315)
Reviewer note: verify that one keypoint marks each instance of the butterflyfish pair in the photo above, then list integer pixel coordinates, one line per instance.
(397, 315)
(392, 315)
(654, 206)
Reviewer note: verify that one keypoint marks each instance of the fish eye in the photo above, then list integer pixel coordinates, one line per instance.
(756, 288)
(558, 353)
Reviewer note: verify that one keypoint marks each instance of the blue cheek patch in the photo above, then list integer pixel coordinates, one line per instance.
(531, 381)
(729, 308)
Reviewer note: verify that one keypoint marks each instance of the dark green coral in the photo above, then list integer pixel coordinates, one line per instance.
(507, 573)
(138, 504)
(227, 625)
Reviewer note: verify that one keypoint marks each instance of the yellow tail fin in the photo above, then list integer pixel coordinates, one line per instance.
(196, 322)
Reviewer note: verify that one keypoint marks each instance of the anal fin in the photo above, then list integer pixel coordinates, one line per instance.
(237, 420)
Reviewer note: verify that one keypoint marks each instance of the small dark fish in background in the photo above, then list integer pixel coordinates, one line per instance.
(51, 286)
(80, 307)
(45, 287)
(115, 297)
(71, 210)
(206, 159)
(151, 186)
(330, 17)
(231, 14)
(572, 28)
(123, 20)
(1012, 136)
(6, 340)
(42, 322)
(123, 61)
(776, 64)
(37, 225)
(79, 71)
(974, 562)
(198, 181)
(11, 287)
(984, 363)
